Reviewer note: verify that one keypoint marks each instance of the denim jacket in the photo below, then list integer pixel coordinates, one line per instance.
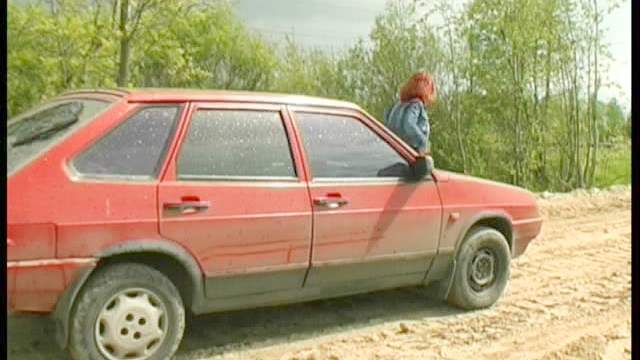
(410, 122)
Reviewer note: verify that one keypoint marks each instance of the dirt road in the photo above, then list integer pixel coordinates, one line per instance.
(569, 298)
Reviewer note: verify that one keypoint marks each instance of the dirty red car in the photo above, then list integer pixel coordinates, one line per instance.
(129, 208)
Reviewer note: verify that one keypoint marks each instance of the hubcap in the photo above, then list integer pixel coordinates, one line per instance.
(482, 269)
(131, 325)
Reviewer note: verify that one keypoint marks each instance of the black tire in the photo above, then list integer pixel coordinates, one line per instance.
(120, 281)
(469, 290)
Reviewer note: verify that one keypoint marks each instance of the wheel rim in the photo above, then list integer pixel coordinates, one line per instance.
(482, 270)
(131, 325)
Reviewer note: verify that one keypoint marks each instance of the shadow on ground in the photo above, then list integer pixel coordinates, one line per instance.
(33, 337)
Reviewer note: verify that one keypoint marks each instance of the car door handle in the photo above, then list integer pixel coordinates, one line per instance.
(330, 202)
(187, 207)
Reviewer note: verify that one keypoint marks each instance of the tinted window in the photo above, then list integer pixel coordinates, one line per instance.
(32, 133)
(341, 146)
(232, 143)
(137, 147)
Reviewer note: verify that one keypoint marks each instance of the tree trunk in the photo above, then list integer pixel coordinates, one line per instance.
(576, 100)
(456, 101)
(567, 110)
(123, 64)
(587, 162)
(546, 115)
(594, 114)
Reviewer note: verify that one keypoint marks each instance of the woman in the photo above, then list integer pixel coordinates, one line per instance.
(408, 118)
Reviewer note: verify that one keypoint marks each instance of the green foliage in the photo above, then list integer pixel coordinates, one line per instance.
(616, 166)
(517, 80)
(310, 72)
(204, 47)
(182, 43)
(48, 54)
(614, 124)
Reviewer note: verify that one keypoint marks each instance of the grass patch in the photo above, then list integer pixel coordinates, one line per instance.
(614, 166)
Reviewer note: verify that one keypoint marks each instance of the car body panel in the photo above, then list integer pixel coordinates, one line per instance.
(382, 220)
(233, 97)
(76, 220)
(524, 231)
(36, 285)
(89, 214)
(28, 241)
(466, 200)
(236, 235)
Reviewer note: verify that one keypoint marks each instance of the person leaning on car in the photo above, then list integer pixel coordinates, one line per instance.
(408, 118)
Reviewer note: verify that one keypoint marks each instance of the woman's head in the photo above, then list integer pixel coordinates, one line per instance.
(420, 86)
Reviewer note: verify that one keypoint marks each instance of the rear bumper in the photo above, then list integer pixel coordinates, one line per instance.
(524, 231)
(36, 285)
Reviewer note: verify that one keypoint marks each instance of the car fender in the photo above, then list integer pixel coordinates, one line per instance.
(469, 223)
(64, 306)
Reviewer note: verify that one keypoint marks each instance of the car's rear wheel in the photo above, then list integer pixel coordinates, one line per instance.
(127, 311)
(482, 269)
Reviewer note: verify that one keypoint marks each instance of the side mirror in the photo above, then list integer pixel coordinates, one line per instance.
(421, 168)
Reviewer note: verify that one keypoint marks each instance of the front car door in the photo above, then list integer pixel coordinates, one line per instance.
(372, 227)
(233, 196)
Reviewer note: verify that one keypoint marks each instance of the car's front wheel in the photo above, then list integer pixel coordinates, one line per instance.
(127, 311)
(482, 269)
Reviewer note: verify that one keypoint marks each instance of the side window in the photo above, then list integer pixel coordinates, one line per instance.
(33, 133)
(235, 144)
(135, 148)
(343, 147)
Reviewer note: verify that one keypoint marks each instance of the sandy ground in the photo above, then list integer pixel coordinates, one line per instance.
(569, 298)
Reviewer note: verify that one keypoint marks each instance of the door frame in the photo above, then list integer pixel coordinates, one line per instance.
(409, 261)
(169, 170)
(257, 276)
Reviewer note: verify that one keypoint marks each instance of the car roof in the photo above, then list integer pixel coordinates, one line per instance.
(150, 95)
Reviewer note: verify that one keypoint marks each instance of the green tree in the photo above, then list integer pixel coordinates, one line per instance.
(205, 47)
(51, 52)
(518, 80)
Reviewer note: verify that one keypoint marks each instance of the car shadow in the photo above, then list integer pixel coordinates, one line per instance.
(258, 328)
(33, 337)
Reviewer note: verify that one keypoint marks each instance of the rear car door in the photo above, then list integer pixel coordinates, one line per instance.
(370, 223)
(233, 196)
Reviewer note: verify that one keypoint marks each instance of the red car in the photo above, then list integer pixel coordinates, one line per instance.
(127, 208)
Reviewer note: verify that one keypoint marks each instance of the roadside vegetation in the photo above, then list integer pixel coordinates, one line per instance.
(518, 80)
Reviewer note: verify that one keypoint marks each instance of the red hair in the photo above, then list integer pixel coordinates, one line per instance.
(419, 86)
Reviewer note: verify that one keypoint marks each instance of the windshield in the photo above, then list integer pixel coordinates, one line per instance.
(30, 134)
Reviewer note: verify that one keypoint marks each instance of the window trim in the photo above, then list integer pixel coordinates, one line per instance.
(78, 176)
(231, 106)
(368, 181)
(360, 117)
(216, 178)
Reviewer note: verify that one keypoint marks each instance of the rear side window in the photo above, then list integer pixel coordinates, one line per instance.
(33, 133)
(343, 147)
(227, 144)
(136, 148)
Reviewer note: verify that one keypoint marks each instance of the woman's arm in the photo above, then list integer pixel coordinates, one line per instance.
(427, 130)
(412, 129)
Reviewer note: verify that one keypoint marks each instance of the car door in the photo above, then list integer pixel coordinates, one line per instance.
(232, 195)
(369, 222)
